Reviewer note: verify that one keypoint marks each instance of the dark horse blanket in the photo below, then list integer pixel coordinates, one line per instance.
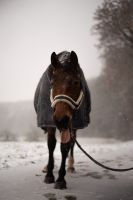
(43, 108)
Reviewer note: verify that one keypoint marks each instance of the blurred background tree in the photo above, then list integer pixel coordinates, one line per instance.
(114, 89)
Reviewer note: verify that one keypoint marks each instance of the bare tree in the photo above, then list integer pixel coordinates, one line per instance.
(114, 25)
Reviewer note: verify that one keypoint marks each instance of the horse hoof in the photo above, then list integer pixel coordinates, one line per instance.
(45, 169)
(71, 170)
(60, 185)
(49, 179)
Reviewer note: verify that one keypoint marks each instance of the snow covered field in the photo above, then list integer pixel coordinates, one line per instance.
(21, 177)
(107, 150)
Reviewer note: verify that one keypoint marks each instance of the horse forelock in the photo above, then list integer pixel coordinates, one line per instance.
(65, 61)
(64, 57)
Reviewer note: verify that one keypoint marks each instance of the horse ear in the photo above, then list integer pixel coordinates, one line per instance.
(74, 58)
(54, 59)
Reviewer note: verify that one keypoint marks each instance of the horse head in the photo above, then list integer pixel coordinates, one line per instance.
(66, 92)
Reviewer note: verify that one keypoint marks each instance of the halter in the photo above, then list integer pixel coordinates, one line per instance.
(64, 98)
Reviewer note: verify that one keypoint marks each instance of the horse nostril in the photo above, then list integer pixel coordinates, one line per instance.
(62, 123)
(65, 120)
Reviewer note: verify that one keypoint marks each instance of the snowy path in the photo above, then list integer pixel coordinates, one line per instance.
(21, 177)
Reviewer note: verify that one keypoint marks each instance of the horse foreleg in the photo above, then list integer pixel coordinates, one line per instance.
(71, 168)
(60, 182)
(51, 141)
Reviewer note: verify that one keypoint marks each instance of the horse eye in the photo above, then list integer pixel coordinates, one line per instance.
(76, 82)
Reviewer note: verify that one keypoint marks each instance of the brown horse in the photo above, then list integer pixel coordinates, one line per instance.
(69, 100)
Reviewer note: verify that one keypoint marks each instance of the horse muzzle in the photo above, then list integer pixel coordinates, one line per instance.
(63, 123)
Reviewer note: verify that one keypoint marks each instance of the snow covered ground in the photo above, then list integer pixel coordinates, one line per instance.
(21, 177)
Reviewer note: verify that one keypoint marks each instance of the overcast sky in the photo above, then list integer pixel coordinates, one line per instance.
(30, 30)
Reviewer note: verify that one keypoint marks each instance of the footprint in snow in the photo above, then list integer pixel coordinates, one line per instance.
(50, 196)
(70, 197)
